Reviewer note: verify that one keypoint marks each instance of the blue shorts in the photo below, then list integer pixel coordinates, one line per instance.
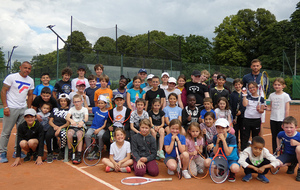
(288, 158)
(230, 162)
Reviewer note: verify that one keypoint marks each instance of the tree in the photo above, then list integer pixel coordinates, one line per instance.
(238, 37)
(105, 44)
(2, 61)
(16, 66)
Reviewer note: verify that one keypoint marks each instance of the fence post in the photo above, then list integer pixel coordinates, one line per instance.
(122, 64)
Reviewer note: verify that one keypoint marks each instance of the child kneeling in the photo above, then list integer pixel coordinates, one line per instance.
(144, 151)
(119, 154)
(257, 159)
(229, 147)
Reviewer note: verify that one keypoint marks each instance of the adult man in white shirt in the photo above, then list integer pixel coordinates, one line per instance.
(16, 87)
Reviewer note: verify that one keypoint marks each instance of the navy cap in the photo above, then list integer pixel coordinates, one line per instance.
(196, 73)
(142, 70)
(81, 67)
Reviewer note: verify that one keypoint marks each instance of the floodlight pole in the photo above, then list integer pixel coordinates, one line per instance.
(9, 60)
(58, 36)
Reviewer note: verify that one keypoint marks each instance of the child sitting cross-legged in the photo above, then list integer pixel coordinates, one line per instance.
(228, 146)
(257, 159)
(144, 151)
(119, 154)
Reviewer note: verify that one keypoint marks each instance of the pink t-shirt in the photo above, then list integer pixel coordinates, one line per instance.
(190, 144)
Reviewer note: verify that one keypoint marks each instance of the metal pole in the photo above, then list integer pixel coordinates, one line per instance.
(116, 39)
(8, 67)
(295, 57)
(57, 59)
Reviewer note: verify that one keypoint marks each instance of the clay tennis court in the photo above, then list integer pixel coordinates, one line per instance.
(60, 175)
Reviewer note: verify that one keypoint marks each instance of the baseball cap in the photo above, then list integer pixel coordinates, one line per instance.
(196, 73)
(103, 98)
(119, 96)
(142, 70)
(172, 80)
(80, 82)
(222, 122)
(64, 95)
(81, 67)
(165, 73)
(30, 111)
(150, 76)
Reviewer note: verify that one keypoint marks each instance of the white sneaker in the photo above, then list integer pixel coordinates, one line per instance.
(199, 170)
(186, 174)
(170, 172)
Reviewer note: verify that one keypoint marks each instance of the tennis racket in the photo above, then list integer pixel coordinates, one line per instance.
(112, 137)
(141, 180)
(218, 169)
(92, 154)
(201, 170)
(264, 82)
(75, 143)
(277, 153)
(237, 107)
(179, 165)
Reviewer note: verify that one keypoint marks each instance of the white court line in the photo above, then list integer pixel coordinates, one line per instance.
(93, 177)
(268, 134)
(83, 167)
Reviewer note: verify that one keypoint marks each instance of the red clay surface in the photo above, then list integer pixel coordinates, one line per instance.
(60, 175)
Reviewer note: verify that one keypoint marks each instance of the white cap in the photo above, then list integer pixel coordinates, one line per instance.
(172, 80)
(222, 122)
(103, 98)
(64, 95)
(30, 111)
(150, 76)
(165, 73)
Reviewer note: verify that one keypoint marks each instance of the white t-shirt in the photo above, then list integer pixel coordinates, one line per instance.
(167, 93)
(119, 153)
(278, 103)
(119, 117)
(78, 115)
(19, 87)
(164, 87)
(73, 94)
(223, 113)
(74, 81)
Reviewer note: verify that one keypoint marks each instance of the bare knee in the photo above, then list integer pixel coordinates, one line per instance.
(234, 168)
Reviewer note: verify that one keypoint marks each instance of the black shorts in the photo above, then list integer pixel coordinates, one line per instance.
(76, 129)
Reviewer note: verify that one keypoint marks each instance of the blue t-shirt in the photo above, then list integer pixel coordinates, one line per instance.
(167, 141)
(287, 142)
(99, 118)
(172, 113)
(98, 84)
(135, 94)
(203, 112)
(38, 89)
(231, 142)
(130, 85)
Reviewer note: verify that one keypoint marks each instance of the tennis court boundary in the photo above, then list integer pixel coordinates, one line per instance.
(92, 176)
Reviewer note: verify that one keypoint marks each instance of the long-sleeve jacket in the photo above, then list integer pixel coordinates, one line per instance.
(143, 146)
(110, 119)
(26, 133)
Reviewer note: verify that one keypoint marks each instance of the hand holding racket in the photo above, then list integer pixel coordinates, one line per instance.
(179, 165)
(277, 153)
(141, 180)
(219, 169)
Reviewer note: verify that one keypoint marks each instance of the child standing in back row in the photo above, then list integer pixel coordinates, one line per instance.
(279, 106)
(134, 93)
(81, 72)
(90, 91)
(64, 85)
(45, 78)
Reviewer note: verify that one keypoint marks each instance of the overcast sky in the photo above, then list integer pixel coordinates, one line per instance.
(23, 22)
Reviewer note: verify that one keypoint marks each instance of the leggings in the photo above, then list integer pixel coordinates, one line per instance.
(249, 125)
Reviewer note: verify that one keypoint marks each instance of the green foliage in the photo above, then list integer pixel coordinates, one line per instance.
(2, 61)
(16, 66)
(105, 44)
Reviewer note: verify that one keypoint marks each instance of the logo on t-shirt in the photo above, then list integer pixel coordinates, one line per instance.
(194, 89)
(119, 117)
(22, 86)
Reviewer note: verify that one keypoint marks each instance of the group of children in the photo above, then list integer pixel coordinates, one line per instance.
(140, 122)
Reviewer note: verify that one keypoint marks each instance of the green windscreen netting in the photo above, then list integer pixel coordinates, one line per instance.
(296, 87)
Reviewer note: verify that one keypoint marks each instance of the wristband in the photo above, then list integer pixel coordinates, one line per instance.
(83, 121)
(244, 95)
(5, 107)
